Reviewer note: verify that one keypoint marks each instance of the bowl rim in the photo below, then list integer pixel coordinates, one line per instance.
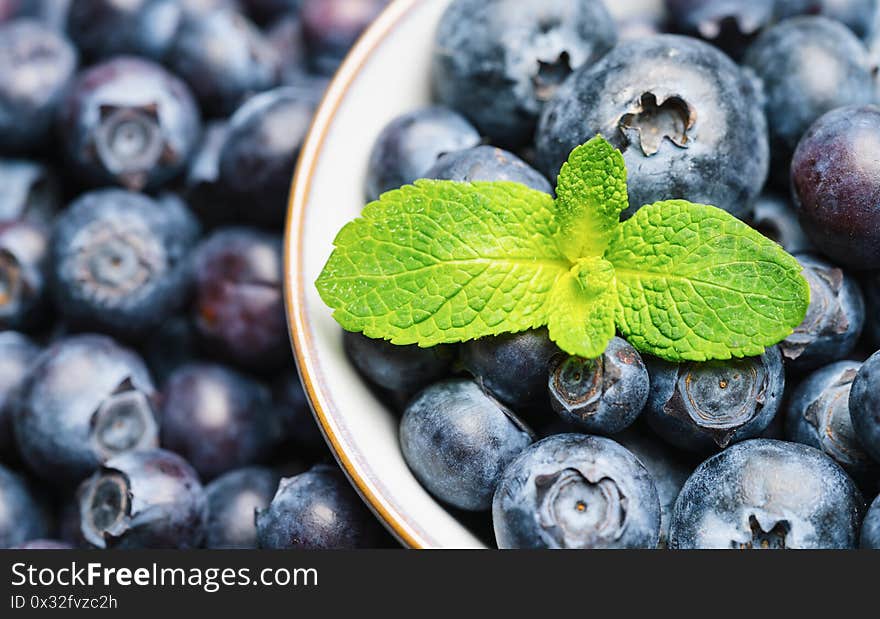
(294, 284)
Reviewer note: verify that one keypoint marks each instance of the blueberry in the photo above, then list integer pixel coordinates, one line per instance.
(331, 28)
(835, 175)
(129, 122)
(23, 517)
(818, 415)
(147, 499)
(498, 62)
(834, 318)
(172, 345)
(513, 366)
(264, 11)
(239, 308)
(30, 191)
(766, 494)
(120, 261)
(17, 354)
(44, 544)
(413, 142)
(858, 15)
(704, 406)
(809, 65)
(864, 405)
(102, 28)
(775, 218)
(84, 401)
(687, 119)
(259, 154)
(217, 419)
(729, 24)
(603, 395)
(398, 368)
(667, 468)
(487, 163)
(224, 58)
(457, 440)
(292, 408)
(871, 526)
(317, 509)
(36, 65)
(24, 263)
(51, 12)
(203, 190)
(576, 491)
(233, 501)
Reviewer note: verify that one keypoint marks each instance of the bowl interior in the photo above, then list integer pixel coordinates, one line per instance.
(386, 74)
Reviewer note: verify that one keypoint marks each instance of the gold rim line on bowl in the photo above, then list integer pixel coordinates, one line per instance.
(294, 283)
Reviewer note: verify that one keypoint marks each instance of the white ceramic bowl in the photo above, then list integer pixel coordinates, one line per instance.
(386, 74)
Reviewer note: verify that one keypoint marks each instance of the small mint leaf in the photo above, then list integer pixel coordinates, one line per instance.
(440, 262)
(694, 283)
(581, 322)
(590, 196)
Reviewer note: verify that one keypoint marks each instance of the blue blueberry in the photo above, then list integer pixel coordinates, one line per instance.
(728, 24)
(457, 440)
(285, 35)
(51, 12)
(148, 499)
(317, 509)
(65, 427)
(36, 66)
(120, 261)
(835, 179)
(217, 419)
(103, 28)
(398, 368)
(775, 218)
(498, 62)
(24, 266)
(809, 66)
(23, 516)
(202, 188)
(687, 119)
(870, 537)
(576, 491)
(818, 415)
(264, 11)
(44, 544)
(17, 355)
(129, 122)
(239, 305)
(292, 408)
(224, 58)
(705, 406)
(603, 395)
(487, 163)
(857, 15)
(413, 142)
(30, 191)
(172, 345)
(834, 318)
(259, 153)
(514, 367)
(667, 467)
(766, 494)
(331, 28)
(864, 405)
(233, 500)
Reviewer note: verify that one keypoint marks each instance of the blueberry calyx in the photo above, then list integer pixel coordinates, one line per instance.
(764, 539)
(831, 421)
(743, 387)
(11, 282)
(106, 509)
(129, 142)
(578, 384)
(653, 120)
(826, 285)
(576, 510)
(124, 421)
(550, 75)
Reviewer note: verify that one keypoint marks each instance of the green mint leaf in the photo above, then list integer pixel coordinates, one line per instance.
(582, 306)
(441, 262)
(694, 283)
(589, 198)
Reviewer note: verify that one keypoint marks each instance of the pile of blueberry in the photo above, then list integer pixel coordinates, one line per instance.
(148, 395)
(763, 108)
